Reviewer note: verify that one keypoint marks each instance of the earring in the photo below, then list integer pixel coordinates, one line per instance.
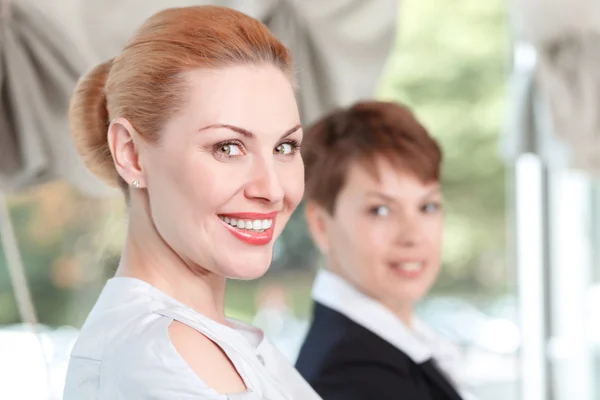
(136, 184)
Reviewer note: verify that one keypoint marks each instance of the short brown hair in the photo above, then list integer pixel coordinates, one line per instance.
(361, 133)
(144, 83)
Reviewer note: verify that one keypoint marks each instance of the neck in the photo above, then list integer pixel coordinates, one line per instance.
(146, 256)
(404, 314)
(402, 310)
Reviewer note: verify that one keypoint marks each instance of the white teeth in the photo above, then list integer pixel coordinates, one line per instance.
(255, 225)
(410, 266)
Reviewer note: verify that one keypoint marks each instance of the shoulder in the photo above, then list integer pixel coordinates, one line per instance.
(356, 365)
(142, 342)
(208, 361)
(362, 347)
(329, 329)
(136, 361)
(338, 339)
(142, 362)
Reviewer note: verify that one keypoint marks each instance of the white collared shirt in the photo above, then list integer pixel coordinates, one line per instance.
(420, 343)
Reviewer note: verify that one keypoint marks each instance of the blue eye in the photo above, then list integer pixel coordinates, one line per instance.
(380, 211)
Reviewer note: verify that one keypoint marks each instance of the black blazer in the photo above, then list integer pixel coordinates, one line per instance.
(344, 361)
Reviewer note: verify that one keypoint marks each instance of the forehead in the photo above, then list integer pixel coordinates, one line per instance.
(255, 97)
(385, 178)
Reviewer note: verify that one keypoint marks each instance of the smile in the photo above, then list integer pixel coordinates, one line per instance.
(257, 225)
(409, 269)
(410, 266)
(251, 228)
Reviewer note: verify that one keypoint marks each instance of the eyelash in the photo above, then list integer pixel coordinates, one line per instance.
(437, 207)
(292, 142)
(219, 145)
(373, 210)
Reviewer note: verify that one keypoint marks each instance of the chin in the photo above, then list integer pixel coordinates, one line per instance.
(412, 296)
(248, 275)
(407, 294)
(248, 269)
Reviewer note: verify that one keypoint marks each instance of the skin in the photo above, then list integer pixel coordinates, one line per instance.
(377, 226)
(231, 148)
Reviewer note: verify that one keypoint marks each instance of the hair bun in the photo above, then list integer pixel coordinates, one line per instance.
(88, 120)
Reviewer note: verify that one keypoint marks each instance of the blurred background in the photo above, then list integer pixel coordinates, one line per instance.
(513, 107)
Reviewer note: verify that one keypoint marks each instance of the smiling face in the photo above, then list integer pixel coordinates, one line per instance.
(226, 175)
(385, 235)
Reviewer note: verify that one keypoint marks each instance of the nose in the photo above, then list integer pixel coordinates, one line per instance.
(264, 183)
(409, 231)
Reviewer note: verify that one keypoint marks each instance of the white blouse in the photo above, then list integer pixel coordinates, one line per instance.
(124, 352)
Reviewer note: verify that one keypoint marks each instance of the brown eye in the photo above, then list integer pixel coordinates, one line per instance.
(226, 149)
(230, 149)
(284, 148)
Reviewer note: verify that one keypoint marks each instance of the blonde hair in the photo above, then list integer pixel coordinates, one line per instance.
(144, 85)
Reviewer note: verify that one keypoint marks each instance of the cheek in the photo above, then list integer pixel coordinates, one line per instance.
(187, 194)
(167, 172)
(207, 188)
(165, 189)
(435, 231)
(292, 180)
(359, 240)
(377, 237)
(209, 181)
(190, 189)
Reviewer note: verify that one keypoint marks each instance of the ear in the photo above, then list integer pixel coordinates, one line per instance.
(316, 219)
(121, 140)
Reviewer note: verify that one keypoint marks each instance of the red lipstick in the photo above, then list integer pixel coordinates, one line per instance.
(255, 238)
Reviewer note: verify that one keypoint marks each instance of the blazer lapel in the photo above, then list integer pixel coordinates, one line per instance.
(437, 377)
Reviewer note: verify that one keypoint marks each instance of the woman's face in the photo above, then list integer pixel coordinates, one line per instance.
(227, 172)
(385, 235)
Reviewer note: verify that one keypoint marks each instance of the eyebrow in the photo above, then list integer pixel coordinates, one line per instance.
(387, 197)
(246, 132)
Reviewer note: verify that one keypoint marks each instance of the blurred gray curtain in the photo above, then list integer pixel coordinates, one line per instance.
(557, 75)
(38, 68)
(340, 47)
